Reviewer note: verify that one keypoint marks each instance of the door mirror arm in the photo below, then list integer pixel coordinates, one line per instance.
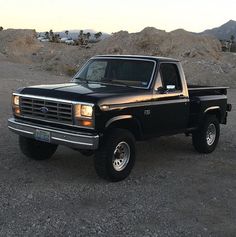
(161, 90)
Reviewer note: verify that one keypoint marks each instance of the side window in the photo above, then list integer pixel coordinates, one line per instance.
(170, 76)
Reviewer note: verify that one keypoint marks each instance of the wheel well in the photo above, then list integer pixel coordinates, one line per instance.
(130, 124)
(215, 112)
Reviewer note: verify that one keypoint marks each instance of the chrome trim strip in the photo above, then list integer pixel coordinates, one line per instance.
(147, 103)
(51, 130)
(53, 99)
(117, 118)
(72, 142)
(212, 108)
(123, 58)
(67, 138)
(20, 130)
(46, 98)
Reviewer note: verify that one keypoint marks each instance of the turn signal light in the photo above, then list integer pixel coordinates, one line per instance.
(86, 123)
(17, 111)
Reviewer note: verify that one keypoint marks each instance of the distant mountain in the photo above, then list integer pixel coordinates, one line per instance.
(74, 34)
(223, 32)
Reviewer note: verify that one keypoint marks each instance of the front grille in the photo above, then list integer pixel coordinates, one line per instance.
(46, 110)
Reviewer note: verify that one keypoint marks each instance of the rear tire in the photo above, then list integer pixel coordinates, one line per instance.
(206, 138)
(36, 150)
(116, 156)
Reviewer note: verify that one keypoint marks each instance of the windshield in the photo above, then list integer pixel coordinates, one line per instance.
(129, 72)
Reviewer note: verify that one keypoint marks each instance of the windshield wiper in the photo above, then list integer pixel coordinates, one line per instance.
(86, 80)
(120, 83)
(103, 80)
(107, 80)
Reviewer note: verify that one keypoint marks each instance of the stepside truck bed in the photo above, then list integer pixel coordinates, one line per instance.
(205, 99)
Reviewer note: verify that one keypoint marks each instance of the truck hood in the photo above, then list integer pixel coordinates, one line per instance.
(83, 92)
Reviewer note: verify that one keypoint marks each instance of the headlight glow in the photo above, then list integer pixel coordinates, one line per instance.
(83, 110)
(16, 105)
(16, 100)
(87, 110)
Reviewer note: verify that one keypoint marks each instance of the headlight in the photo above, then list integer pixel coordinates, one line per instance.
(16, 100)
(87, 110)
(16, 104)
(83, 114)
(83, 110)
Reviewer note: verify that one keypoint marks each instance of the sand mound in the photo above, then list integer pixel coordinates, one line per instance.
(201, 55)
(19, 45)
(151, 41)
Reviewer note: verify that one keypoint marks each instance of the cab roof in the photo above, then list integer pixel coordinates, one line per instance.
(159, 59)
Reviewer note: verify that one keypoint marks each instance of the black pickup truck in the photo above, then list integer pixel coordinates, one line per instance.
(112, 102)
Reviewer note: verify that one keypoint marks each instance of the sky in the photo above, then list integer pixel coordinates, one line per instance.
(113, 15)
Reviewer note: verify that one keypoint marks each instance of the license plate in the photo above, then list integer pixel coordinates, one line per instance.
(41, 135)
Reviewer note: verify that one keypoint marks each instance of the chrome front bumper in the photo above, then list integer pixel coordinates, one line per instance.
(62, 137)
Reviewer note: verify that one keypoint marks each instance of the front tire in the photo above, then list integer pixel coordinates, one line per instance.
(116, 157)
(36, 150)
(206, 138)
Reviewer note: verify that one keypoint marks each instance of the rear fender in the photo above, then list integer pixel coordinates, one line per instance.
(214, 110)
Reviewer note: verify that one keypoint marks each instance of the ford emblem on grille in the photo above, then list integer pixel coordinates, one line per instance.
(44, 110)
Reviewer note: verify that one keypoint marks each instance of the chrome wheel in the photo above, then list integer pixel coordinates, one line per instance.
(211, 134)
(121, 156)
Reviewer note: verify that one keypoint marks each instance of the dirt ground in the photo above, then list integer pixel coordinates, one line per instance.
(172, 190)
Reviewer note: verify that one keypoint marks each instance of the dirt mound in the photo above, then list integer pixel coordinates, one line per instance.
(156, 42)
(19, 45)
(201, 55)
(186, 46)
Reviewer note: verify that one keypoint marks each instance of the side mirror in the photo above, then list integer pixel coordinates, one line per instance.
(170, 87)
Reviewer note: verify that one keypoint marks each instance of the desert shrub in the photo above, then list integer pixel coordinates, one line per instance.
(143, 44)
(49, 68)
(29, 40)
(70, 70)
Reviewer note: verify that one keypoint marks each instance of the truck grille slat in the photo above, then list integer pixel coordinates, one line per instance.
(46, 110)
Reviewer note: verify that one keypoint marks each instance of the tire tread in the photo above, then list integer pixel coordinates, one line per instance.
(199, 136)
(102, 156)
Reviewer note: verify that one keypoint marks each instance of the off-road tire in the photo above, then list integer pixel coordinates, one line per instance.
(199, 137)
(104, 157)
(36, 150)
